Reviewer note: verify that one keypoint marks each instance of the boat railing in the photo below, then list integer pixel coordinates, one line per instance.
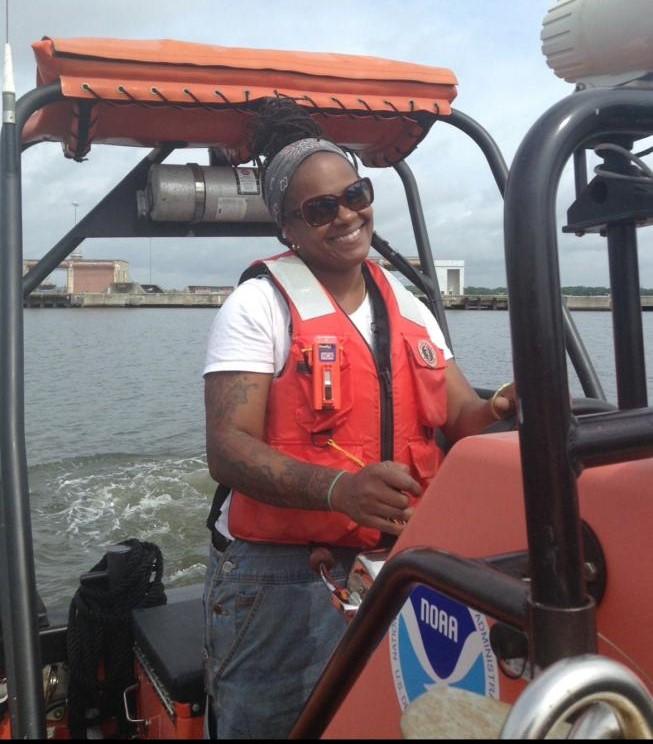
(471, 582)
(558, 592)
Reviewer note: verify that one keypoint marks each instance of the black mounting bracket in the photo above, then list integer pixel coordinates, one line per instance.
(606, 201)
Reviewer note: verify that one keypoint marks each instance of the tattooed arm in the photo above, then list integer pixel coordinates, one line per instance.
(235, 416)
(235, 405)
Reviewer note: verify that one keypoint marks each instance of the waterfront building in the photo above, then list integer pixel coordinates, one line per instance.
(450, 274)
(86, 275)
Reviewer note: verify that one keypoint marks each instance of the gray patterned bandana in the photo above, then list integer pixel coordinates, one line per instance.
(282, 167)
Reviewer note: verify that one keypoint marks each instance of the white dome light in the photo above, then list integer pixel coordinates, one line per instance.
(600, 43)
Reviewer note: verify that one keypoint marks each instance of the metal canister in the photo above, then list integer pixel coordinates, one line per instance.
(199, 193)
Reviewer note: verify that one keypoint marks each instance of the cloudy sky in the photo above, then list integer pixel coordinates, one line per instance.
(493, 47)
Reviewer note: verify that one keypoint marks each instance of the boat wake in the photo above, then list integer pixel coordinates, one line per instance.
(82, 505)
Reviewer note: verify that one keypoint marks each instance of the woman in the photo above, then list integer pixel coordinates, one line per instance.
(325, 382)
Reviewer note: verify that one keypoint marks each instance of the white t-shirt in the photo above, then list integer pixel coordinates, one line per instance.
(251, 333)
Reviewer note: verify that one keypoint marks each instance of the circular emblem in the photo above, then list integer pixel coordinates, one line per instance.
(436, 641)
(427, 352)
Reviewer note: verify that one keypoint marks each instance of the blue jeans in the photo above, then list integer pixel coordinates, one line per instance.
(270, 629)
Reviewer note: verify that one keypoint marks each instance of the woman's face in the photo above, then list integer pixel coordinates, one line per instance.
(342, 243)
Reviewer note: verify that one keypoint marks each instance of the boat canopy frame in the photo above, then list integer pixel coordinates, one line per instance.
(549, 471)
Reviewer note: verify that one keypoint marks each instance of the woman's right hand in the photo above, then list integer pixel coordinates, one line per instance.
(376, 496)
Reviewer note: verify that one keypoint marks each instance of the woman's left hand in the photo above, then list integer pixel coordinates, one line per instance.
(467, 412)
(503, 403)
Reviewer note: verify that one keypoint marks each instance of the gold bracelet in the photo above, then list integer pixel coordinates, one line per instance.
(493, 400)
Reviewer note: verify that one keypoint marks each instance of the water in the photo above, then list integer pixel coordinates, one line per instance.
(481, 341)
(115, 435)
(115, 428)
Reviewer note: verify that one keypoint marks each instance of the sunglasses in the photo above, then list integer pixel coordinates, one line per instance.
(320, 210)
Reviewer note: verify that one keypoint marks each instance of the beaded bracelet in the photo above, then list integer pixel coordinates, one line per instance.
(332, 486)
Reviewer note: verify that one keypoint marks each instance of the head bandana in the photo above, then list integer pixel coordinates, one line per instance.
(282, 167)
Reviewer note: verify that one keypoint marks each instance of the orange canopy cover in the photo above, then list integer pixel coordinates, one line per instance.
(147, 93)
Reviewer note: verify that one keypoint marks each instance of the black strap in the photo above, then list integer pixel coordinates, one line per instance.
(380, 321)
(212, 729)
(382, 352)
(258, 268)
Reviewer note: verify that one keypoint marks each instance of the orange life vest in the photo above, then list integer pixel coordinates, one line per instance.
(389, 408)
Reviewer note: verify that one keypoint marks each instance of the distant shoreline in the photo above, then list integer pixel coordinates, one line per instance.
(124, 299)
(469, 301)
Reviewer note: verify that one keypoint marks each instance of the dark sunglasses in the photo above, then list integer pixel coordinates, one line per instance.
(320, 210)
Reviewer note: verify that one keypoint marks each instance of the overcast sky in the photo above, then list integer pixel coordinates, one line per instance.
(493, 46)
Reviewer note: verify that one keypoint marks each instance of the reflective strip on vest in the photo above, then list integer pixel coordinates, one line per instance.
(408, 308)
(299, 282)
(310, 299)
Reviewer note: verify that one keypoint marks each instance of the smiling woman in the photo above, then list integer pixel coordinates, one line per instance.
(324, 384)
(335, 248)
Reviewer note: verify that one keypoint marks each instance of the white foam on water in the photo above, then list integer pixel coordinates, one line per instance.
(196, 571)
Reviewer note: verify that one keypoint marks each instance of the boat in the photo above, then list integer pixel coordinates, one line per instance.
(520, 600)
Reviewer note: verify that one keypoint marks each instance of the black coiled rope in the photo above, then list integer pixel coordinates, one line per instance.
(99, 637)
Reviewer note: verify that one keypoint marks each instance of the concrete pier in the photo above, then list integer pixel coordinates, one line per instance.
(97, 299)
(500, 302)
(215, 299)
(475, 302)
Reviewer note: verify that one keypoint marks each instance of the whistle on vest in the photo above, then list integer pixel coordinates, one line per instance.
(325, 363)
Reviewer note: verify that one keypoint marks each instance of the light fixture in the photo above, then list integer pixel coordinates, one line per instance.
(600, 43)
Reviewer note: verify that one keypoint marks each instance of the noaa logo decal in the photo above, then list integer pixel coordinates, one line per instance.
(436, 641)
(427, 353)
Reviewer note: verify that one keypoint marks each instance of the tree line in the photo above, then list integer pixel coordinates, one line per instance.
(577, 291)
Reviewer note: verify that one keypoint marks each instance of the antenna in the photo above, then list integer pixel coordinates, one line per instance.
(76, 255)
(8, 86)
